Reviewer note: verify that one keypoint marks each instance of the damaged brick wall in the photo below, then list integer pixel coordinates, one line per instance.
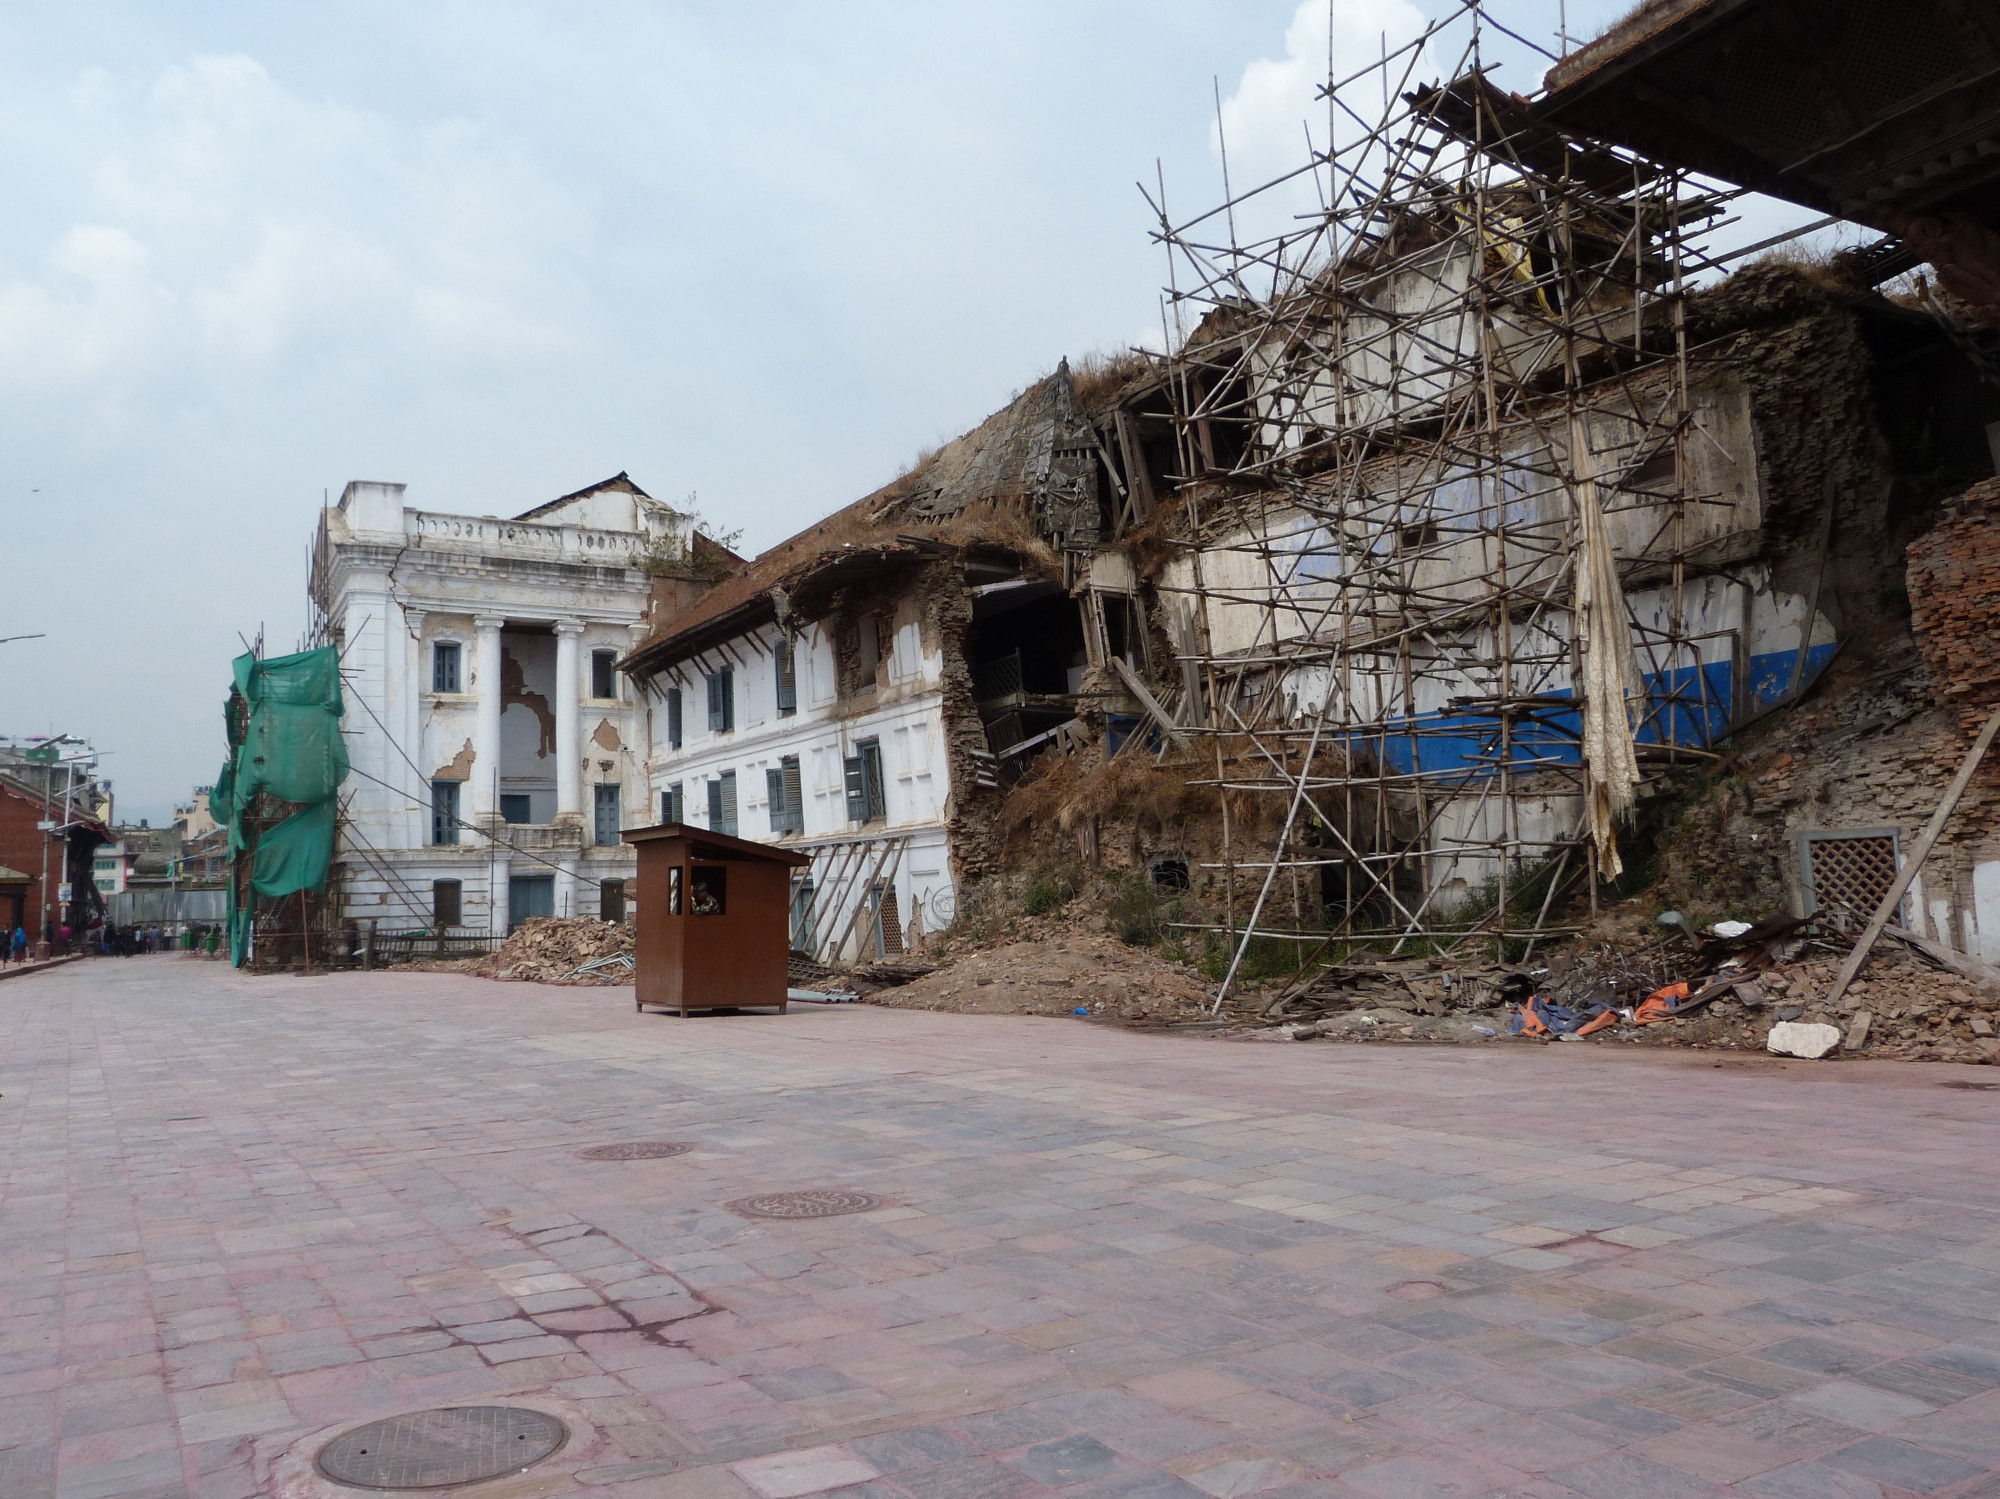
(1954, 586)
(1800, 347)
(945, 613)
(1872, 747)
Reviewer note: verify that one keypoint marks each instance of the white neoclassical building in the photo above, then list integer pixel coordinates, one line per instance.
(497, 751)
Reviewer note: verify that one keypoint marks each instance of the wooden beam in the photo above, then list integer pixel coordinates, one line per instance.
(1146, 700)
(1138, 479)
(1918, 854)
(1985, 975)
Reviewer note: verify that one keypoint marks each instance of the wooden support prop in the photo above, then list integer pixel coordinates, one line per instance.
(1147, 701)
(1985, 975)
(1918, 854)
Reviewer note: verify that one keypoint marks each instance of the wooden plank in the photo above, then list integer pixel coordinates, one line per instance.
(1138, 480)
(1146, 700)
(1929, 836)
(1985, 975)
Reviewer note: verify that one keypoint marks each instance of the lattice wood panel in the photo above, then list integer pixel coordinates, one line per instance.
(1852, 873)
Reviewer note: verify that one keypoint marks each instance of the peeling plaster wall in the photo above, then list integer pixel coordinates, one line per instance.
(906, 713)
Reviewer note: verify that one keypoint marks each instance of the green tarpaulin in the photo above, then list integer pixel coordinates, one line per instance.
(284, 740)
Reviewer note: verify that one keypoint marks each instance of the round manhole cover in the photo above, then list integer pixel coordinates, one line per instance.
(441, 1448)
(636, 1150)
(1416, 1290)
(818, 1204)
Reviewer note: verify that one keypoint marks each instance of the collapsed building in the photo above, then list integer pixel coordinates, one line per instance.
(845, 692)
(1467, 526)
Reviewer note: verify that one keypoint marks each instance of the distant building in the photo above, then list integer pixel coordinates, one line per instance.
(204, 843)
(111, 867)
(497, 753)
(53, 814)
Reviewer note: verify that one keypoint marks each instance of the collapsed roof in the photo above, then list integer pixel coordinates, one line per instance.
(1024, 477)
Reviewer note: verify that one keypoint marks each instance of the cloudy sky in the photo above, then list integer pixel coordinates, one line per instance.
(761, 254)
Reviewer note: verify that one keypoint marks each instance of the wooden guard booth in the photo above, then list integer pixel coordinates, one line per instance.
(714, 919)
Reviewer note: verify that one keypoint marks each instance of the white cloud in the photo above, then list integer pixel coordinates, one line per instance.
(1265, 121)
(231, 226)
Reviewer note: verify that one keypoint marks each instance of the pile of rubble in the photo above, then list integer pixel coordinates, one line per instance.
(1091, 975)
(550, 950)
(1736, 986)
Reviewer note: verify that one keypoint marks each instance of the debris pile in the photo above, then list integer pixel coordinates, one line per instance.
(1736, 986)
(1081, 973)
(550, 950)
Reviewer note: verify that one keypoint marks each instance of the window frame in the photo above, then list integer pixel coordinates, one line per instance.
(675, 718)
(604, 664)
(785, 666)
(444, 818)
(597, 814)
(723, 808)
(608, 893)
(441, 650)
(673, 802)
(784, 796)
(722, 700)
(456, 906)
(863, 780)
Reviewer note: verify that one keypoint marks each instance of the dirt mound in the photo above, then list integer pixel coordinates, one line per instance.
(548, 949)
(1059, 975)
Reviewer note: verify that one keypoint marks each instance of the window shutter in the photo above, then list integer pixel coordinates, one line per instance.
(715, 804)
(871, 768)
(774, 790)
(857, 789)
(674, 717)
(795, 800)
(728, 782)
(715, 702)
(788, 680)
(728, 697)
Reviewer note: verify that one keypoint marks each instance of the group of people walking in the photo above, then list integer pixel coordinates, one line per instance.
(61, 940)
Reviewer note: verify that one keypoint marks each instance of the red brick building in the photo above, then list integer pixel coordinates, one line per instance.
(29, 897)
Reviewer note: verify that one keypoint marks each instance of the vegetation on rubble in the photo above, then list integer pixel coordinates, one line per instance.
(704, 554)
(1050, 889)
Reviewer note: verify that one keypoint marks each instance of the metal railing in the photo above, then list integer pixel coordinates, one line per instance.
(992, 680)
(425, 946)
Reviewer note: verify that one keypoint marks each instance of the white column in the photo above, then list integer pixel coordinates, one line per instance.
(486, 740)
(415, 830)
(497, 896)
(568, 706)
(566, 888)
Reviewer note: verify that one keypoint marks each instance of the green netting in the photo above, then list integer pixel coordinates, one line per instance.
(290, 749)
(294, 855)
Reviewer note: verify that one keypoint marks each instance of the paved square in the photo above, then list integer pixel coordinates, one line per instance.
(242, 1213)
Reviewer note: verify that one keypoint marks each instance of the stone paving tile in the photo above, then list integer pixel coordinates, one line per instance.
(235, 1210)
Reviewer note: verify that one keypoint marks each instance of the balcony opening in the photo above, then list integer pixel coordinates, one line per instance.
(527, 725)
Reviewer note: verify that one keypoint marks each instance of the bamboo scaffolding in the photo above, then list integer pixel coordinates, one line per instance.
(1383, 413)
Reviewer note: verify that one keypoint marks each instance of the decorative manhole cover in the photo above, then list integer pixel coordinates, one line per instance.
(438, 1449)
(636, 1150)
(818, 1204)
(1416, 1290)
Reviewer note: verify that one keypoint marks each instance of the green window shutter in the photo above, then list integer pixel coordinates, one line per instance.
(857, 789)
(795, 801)
(774, 791)
(871, 769)
(727, 783)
